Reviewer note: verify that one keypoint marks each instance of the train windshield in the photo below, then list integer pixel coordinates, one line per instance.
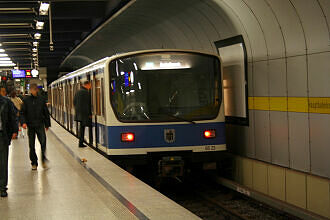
(165, 86)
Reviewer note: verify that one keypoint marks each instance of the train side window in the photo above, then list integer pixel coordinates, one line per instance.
(234, 64)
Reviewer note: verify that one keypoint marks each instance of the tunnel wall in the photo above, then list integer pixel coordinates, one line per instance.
(287, 143)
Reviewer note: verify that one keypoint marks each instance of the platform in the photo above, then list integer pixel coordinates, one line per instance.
(69, 189)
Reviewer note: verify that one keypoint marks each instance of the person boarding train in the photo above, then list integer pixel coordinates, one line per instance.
(83, 110)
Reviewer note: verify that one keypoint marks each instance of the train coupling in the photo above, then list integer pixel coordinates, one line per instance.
(171, 166)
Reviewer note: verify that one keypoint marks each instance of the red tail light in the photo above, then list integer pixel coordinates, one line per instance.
(127, 137)
(209, 134)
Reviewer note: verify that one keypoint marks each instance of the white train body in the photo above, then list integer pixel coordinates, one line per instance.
(144, 102)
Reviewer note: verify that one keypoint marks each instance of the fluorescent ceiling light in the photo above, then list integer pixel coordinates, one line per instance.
(35, 43)
(34, 49)
(135, 66)
(35, 73)
(164, 65)
(34, 54)
(4, 58)
(40, 25)
(37, 36)
(43, 10)
(2, 50)
(9, 64)
(6, 61)
(3, 55)
(0, 44)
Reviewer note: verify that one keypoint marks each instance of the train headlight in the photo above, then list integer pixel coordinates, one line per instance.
(209, 134)
(127, 137)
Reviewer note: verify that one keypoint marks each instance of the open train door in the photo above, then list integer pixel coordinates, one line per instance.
(234, 64)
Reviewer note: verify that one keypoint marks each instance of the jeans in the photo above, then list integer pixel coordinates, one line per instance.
(82, 127)
(4, 148)
(41, 134)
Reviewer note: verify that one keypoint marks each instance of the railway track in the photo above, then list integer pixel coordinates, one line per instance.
(211, 201)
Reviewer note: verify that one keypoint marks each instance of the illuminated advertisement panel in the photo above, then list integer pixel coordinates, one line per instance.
(18, 73)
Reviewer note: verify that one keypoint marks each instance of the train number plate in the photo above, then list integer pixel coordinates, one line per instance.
(209, 148)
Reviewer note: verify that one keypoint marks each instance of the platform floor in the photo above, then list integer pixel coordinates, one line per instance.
(71, 190)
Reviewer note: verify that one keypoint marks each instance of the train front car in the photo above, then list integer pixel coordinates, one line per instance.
(167, 109)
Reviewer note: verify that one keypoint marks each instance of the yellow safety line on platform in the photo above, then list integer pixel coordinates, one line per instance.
(292, 104)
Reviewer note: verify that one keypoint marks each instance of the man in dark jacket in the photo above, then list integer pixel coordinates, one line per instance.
(83, 110)
(35, 117)
(8, 130)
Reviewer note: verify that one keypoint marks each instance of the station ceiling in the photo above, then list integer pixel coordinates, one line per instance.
(71, 20)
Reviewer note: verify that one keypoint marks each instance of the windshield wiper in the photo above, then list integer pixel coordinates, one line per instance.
(181, 119)
(176, 117)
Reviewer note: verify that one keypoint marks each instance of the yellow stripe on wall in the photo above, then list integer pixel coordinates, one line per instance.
(291, 104)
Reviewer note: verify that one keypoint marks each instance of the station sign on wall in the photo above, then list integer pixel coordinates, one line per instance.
(25, 73)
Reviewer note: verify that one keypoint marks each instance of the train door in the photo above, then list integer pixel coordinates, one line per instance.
(100, 107)
(62, 105)
(56, 102)
(67, 104)
(98, 119)
(89, 131)
(75, 89)
(70, 106)
(50, 100)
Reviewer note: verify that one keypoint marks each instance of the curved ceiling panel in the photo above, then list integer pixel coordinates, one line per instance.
(291, 27)
(314, 23)
(325, 6)
(252, 27)
(159, 24)
(271, 28)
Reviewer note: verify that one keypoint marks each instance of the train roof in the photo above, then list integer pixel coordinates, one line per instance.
(101, 62)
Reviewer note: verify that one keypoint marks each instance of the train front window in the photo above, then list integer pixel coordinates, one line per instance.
(165, 86)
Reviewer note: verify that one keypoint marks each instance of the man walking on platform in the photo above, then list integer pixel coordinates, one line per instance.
(8, 130)
(35, 117)
(83, 110)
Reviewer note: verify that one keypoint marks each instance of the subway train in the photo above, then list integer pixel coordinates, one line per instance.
(163, 107)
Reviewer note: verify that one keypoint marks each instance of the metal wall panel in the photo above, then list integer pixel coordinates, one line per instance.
(290, 26)
(320, 144)
(250, 80)
(207, 33)
(279, 140)
(260, 78)
(256, 37)
(297, 76)
(262, 137)
(277, 78)
(314, 24)
(319, 75)
(270, 28)
(325, 5)
(299, 141)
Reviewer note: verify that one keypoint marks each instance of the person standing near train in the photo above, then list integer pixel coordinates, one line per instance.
(8, 131)
(35, 117)
(83, 109)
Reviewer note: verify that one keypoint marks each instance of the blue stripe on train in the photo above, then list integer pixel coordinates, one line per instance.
(153, 135)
